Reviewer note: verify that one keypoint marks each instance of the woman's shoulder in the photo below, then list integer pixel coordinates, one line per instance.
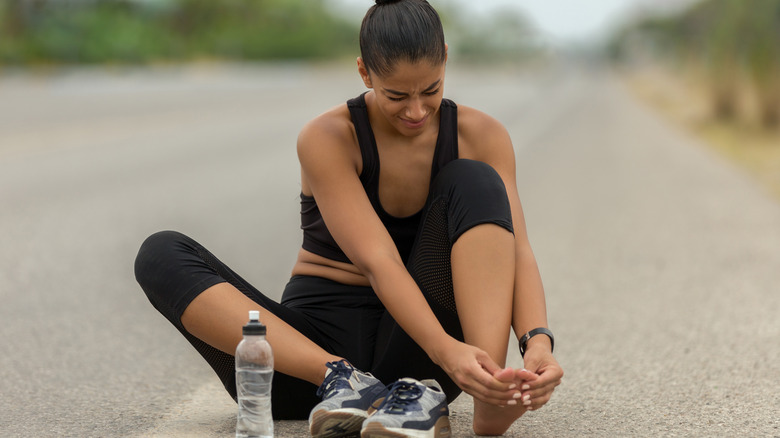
(328, 136)
(333, 123)
(480, 133)
(472, 119)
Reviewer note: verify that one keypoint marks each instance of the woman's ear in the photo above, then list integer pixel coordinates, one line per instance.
(364, 73)
(446, 52)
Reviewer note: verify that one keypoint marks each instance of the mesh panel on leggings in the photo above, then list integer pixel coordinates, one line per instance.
(222, 363)
(429, 263)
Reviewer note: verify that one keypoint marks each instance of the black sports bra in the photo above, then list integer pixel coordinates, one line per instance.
(316, 237)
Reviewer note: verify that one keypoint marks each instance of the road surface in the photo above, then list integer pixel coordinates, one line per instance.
(660, 260)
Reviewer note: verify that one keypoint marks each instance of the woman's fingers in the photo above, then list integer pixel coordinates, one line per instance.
(537, 392)
(487, 363)
(510, 391)
(549, 382)
(482, 378)
(525, 375)
(536, 403)
(497, 388)
(475, 372)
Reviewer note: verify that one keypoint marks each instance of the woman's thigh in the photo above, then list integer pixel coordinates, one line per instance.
(173, 269)
(345, 317)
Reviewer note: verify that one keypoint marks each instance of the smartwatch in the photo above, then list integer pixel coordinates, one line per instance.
(537, 331)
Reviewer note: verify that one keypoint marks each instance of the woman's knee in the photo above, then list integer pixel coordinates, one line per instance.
(152, 252)
(475, 194)
(471, 181)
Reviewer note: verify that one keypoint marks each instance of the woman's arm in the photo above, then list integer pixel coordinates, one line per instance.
(326, 150)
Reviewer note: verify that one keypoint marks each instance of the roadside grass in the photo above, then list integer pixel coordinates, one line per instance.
(743, 141)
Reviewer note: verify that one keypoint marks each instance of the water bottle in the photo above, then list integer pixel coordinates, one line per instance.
(254, 372)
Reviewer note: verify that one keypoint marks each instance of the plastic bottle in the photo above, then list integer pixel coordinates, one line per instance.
(254, 373)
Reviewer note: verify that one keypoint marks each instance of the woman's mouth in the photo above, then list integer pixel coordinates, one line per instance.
(411, 124)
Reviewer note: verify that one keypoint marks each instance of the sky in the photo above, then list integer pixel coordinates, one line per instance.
(560, 20)
(570, 20)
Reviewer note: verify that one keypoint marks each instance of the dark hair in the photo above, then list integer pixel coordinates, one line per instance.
(395, 30)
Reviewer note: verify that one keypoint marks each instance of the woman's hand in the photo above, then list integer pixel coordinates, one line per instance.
(474, 371)
(539, 378)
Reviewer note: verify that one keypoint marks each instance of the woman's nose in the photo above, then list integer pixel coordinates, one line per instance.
(415, 110)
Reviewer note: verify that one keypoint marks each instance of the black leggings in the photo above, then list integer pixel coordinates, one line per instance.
(347, 321)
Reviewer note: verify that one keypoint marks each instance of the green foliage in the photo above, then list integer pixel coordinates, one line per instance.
(762, 58)
(126, 31)
(142, 31)
(727, 39)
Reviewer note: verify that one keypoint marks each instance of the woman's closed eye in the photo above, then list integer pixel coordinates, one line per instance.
(427, 93)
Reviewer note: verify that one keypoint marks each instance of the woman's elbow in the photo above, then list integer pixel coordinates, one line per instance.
(376, 263)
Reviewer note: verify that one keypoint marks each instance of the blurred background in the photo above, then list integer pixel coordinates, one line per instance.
(712, 64)
(648, 162)
(162, 31)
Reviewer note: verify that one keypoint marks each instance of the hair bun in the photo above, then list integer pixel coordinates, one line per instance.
(386, 2)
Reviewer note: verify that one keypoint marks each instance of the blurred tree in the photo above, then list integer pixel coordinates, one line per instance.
(762, 46)
(732, 41)
(719, 24)
(134, 31)
(139, 31)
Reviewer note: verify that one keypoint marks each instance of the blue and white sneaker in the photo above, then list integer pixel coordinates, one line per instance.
(411, 409)
(347, 397)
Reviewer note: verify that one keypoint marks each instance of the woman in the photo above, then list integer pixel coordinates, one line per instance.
(415, 270)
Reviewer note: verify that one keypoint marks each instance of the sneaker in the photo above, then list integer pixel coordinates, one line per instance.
(347, 397)
(411, 409)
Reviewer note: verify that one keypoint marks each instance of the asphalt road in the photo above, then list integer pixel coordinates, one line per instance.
(661, 261)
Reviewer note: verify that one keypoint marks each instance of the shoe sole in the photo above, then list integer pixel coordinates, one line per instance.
(336, 423)
(377, 430)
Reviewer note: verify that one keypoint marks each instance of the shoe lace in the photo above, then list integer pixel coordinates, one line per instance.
(337, 379)
(401, 394)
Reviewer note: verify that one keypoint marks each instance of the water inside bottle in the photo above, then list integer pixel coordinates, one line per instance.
(254, 400)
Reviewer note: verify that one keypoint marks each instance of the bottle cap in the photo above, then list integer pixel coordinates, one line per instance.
(254, 327)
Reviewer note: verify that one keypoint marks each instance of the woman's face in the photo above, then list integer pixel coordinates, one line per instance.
(410, 96)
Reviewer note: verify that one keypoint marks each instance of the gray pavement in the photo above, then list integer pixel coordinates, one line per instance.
(660, 260)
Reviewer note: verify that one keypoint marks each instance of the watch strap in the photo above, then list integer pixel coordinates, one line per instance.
(537, 331)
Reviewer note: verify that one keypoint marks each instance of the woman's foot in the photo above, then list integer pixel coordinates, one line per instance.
(495, 420)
